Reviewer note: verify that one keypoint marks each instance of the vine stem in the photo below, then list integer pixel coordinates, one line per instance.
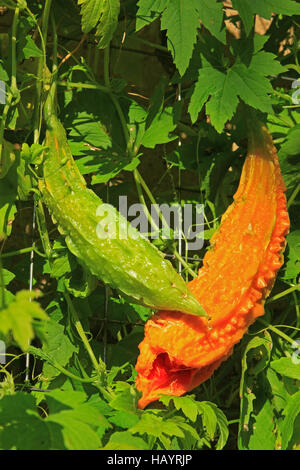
(64, 371)
(41, 64)
(106, 66)
(136, 176)
(87, 86)
(3, 302)
(13, 87)
(99, 366)
(31, 265)
(293, 195)
(284, 293)
(151, 44)
(276, 330)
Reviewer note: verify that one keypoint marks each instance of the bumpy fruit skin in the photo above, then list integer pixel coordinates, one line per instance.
(103, 241)
(179, 351)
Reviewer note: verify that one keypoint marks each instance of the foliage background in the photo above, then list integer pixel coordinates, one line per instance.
(154, 96)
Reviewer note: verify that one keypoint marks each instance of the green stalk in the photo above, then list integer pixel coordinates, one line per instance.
(42, 226)
(106, 66)
(284, 293)
(96, 61)
(87, 86)
(21, 252)
(14, 92)
(99, 366)
(14, 51)
(276, 330)
(64, 371)
(136, 175)
(41, 65)
(3, 302)
(159, 47)
(293, 195)
(122, 120)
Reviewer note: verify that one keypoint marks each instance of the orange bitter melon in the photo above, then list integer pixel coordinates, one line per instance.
(179, 351)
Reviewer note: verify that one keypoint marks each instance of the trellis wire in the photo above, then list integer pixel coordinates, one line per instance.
(27, 357)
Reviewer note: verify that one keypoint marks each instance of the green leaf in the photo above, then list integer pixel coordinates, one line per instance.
(149, 129)
(7, 158)
(102, 14)
(21, 427)
(30, 49)
(224, 90)
(87, 132)
(186, 404)
(252, 87)
(160, 129)
(80, 282)
(209, 80)
(223, 430)
(18, 318)
(61, 400)
(223, 102)
(125, 398)
(123, 419)
(8, 196)
(190, 430)
(77, 434)
(288, 165)
(291, 145)
(291, 412)
(26, 47)
(6, 277)
(3, 73)
(79, 420)
(245, 13)
(105, 165)
(156, 101)
(148, 11)
(279, 392)
(126, 350)
(285, 366)
(156, 426)
(33, 154)
(265, 63)
(261, 434)
(209, 417)
(125, 441)
(292, 264)
(58, 346)
(255, 359)
(248, 8)
(211, 15)
(108, 22)
(181, 21)
(96, 136)
(90, 11)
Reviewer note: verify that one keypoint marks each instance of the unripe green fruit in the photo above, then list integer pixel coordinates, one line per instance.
(102, 239)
